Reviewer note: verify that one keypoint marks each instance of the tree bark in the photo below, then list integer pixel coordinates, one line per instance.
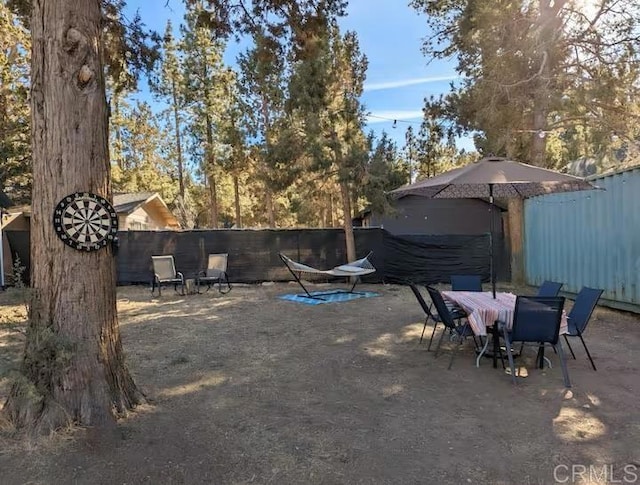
(118, 143)
(210, 164)
(213, 195)
(73, 368)
(549, 24)
(236, 196)
(539, 142)
(516, 239)
(270, 212)
(330, 222)
(176, 116)
(348, 224)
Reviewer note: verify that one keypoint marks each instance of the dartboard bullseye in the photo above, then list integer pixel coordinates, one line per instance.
(85, 221)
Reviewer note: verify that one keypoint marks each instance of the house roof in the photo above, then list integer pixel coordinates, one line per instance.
(129, 202)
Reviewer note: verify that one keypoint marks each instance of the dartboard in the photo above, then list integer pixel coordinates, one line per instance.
(85, 221)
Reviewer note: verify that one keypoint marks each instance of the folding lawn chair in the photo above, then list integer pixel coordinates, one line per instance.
(549, 288)
(467, 282)
(164, 272)
(537, 320)
(456, 313)
(457, 329)
(579, 317)
(216, 272)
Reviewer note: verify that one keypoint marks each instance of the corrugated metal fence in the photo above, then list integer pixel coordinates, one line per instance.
(589, 238)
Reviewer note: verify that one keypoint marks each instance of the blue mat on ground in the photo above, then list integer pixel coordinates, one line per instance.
(336, 296)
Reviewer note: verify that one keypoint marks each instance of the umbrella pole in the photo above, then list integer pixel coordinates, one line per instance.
(492, 275)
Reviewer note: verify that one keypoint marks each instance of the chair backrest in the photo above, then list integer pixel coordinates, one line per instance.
(217, 265)
(549, 288)
(164, 267)
(441, 307)
(583, 307)
(470, 282)
(537, 319)
(423, 303)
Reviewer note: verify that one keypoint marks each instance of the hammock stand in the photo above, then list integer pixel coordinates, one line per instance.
(357, 268)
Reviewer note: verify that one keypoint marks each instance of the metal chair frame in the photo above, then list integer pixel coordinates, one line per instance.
(164, 272)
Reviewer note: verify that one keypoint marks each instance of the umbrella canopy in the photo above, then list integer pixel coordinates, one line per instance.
(504, 177)
(493, 177)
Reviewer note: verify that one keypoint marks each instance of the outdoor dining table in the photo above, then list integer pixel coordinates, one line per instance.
(484, 311)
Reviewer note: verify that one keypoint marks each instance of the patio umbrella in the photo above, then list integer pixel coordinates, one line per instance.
(493, 177)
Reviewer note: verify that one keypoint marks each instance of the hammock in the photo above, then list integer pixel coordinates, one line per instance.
(356, 268)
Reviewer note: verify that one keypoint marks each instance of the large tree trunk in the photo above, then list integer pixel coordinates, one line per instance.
(176, 117)
(213, 196)
(549, 29)
(537, 154)
(348, 223)
(271, 213)
(236, 197)
(330, 222)
(73, 368)
(210, 167)
(118, 141)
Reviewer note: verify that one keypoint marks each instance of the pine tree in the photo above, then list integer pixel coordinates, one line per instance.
(326, 86)
(262, 86)
(15, 149)
(142, 166)
(168, 85)
(538, 72)
(207, 83)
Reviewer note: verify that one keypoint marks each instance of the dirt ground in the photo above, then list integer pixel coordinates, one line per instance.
(246, 388)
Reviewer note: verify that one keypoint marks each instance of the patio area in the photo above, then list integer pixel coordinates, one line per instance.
(249, 388)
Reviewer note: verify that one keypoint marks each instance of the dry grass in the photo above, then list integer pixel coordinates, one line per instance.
(247, 388)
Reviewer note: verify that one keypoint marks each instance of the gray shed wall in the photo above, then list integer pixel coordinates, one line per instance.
(421, 215)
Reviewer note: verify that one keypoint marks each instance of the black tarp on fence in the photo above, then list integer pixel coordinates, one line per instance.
(433, 259)
(253, 254)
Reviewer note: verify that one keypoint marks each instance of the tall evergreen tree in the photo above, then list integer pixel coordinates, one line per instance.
(15, 149)
(385, 171)
(536, 70)
(207, 87)
(168, 85)
(143, 166)
(233, 134)
(275, 132)
(326, 87)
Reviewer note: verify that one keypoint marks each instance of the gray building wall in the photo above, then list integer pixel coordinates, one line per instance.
(420, 215)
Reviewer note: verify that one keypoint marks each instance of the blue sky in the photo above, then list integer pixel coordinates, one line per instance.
(390, 35)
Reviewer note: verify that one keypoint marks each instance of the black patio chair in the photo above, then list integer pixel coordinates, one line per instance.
(456, 313)
(458, 330)
(470, 282)
(579, 317)
(537, 320)
(549, 288)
